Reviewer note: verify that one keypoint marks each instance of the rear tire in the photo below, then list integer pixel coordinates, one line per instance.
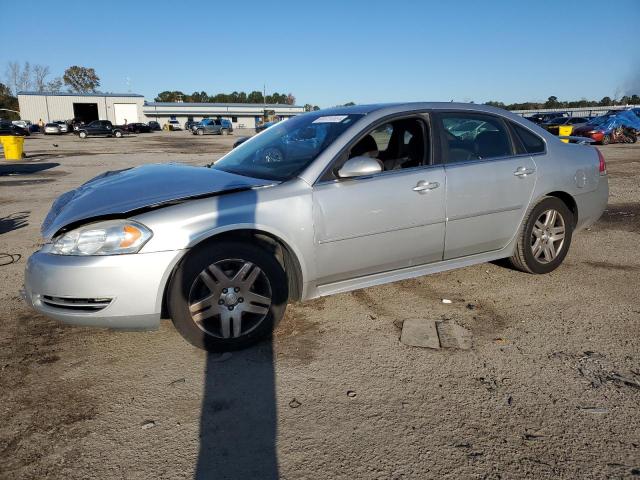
(82, 135)
(200, 131)
(606, 140)
(545, 237)
(226, 296)
(117, 134)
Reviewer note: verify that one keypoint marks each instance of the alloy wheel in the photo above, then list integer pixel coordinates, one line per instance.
(230, 298)
(547, 236)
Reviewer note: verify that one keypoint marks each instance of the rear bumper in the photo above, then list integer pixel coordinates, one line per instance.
(592, 204)
(119, 291)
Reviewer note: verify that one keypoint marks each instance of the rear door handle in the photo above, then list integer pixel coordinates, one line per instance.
(423, 186)
(524, 171)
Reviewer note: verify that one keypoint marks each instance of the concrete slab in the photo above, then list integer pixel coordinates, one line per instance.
(453, 335)
(418, 332)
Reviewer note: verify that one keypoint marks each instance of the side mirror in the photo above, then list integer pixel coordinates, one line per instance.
(360, 166)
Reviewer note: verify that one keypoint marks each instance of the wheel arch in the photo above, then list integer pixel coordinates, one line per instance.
(568, 200)
(282, 251)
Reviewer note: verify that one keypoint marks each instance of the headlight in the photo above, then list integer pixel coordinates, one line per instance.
(112, 237)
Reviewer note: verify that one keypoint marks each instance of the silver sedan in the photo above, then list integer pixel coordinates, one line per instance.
(326, 202)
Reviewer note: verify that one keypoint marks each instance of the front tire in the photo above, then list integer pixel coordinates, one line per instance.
(200, 131)
(545, 237)
(606, 140)
(226, 296)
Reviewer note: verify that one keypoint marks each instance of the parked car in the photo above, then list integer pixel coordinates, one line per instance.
(174, 125)
(154, 126)
(64, 127)
(52, 129)
(189, 124)
(8, 128)
(24, 125)
(539, 118)
(100, 128)
(222, 249)
(606, 128)
(137, 127)
(210, 126)
(264, 126)
(553, 126)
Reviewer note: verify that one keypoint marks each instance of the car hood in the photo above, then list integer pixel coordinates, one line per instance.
(149, 186)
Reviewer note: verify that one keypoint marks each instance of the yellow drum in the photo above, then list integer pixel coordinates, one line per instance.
(565, 131)
(13, 147)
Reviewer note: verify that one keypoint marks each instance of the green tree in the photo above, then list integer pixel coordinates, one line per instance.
(8, 101)
(171, 96)
(552, 102)
(605, 102)
(255, 97)
(81, 79)
(349, 104)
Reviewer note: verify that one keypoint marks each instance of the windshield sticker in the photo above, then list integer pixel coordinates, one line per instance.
(330, 119)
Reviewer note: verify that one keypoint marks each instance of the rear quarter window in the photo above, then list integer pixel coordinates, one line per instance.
(528, 142)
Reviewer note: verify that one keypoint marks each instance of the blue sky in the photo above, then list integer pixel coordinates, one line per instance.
(331, 52)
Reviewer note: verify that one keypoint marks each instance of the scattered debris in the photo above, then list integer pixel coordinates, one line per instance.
(594, 409)
(351, 394)
(509, 400)
(446, 300)
(453, 335)
(147, 424)
(420, 333)
(471, 306)
(532, 436)
(295, 403)
(179, 380)
(631, 382)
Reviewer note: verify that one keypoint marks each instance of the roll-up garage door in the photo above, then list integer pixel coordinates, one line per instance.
(125, 113)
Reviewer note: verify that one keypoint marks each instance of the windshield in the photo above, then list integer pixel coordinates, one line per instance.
(285, 149)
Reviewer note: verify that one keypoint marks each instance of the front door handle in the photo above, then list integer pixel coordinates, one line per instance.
(524, 171)
(423, 186)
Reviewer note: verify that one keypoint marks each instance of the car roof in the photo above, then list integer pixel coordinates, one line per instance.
(397, 107)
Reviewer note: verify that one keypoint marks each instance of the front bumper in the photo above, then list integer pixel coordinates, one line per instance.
(117, 291)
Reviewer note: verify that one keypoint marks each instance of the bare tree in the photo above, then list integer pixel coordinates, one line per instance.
(40, 73)
(13, 76)
(54, 86)
(25, 77)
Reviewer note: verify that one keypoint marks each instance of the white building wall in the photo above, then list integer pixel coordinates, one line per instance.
(51, 107)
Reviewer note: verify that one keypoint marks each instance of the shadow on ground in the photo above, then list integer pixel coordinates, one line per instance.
(25, 168)
(13, 221)
(238, 420)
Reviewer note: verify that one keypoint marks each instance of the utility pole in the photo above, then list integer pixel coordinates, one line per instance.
(264, 102)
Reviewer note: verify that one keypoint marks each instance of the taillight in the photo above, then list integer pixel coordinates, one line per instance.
(603, 165)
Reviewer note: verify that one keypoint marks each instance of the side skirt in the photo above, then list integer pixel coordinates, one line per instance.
(314, 291)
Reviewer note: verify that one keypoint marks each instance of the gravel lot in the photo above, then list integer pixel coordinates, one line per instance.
(550, 388)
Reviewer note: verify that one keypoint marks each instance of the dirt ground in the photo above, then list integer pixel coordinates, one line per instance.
(549, 390)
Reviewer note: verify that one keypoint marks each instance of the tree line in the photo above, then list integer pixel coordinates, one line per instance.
(553, 102)
(233, 97)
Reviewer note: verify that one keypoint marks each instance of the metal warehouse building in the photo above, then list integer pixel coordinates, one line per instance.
(116, 107)
(122, 108)
(242, 115)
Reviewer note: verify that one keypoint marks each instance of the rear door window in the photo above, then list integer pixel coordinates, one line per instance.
(528, 142)
(468, 137)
